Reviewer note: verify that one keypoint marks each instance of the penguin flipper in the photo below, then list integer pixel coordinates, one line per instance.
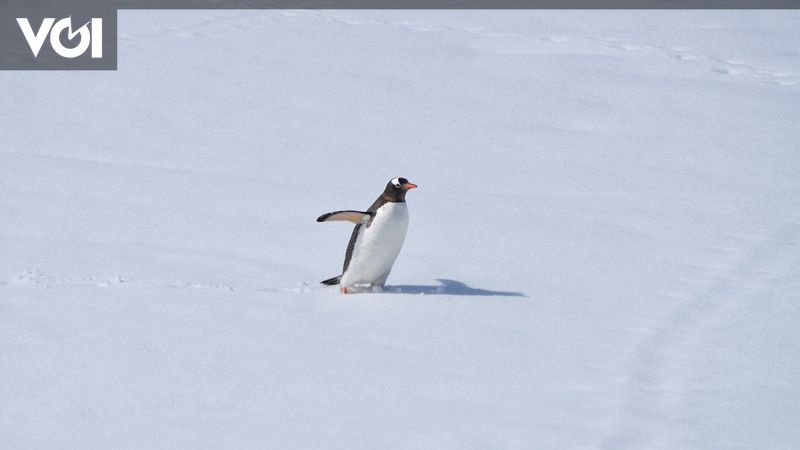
(332, 281)
(356, 217)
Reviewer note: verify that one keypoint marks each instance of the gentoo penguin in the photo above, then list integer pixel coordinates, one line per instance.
(377, 238)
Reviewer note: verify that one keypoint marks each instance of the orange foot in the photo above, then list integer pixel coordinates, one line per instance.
(343, 290)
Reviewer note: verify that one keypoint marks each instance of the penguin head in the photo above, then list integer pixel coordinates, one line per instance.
(397, 187)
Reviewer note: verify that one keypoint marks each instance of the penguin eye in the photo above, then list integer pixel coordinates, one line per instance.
(397, 184)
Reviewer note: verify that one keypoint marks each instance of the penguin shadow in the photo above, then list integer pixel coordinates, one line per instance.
(447, 287)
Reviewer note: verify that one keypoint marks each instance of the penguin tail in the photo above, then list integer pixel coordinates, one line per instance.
(332, 281)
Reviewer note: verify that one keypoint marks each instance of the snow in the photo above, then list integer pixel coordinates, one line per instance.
(603, 252)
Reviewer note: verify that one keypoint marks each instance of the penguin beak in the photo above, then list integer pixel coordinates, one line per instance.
(410, 186)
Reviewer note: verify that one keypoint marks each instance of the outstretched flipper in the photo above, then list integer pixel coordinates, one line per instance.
(357, 217)
(332, 281)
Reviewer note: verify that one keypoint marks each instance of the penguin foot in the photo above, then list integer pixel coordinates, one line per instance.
(343, 290)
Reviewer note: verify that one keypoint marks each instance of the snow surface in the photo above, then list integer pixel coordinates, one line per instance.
(604, 251)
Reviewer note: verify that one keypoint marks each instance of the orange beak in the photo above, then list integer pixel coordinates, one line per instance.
(410, 186)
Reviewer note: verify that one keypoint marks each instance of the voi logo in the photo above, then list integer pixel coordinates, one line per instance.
(88, 38)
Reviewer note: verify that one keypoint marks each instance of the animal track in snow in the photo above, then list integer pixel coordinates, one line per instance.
(707, 305)
(716, 65)
(732, 67)
(40, 279)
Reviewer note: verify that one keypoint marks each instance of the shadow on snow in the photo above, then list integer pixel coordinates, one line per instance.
(447, 287)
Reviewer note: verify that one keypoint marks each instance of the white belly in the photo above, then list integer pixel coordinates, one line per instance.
(377, 246)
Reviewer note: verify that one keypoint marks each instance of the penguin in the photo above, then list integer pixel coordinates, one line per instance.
(377, 238)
